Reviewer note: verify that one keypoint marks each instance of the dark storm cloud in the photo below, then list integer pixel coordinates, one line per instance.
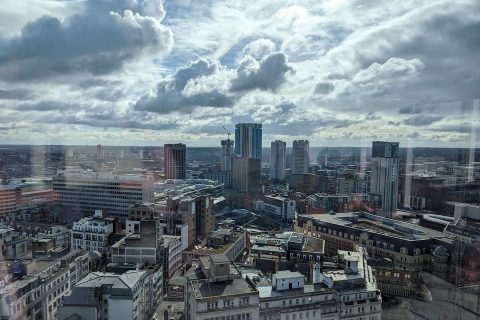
(16, 94)
(422, 120)
(99, 40)
(169, 96)
(268, 74)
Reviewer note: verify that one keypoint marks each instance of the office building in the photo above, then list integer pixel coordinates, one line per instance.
(227, 154)
(14, 245)
(110, 296)
(248, 140)
(385, 174)
(246, 174)
(92, 233)
(175, 160)
(85, 191)
(300, 156)
(324, 203)
(278, 158)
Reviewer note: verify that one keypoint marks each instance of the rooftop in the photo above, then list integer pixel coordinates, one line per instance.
(233, 287)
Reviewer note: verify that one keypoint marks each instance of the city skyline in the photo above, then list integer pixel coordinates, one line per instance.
(312, 70)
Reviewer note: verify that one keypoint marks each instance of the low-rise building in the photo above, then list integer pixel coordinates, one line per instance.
(38, 294)
(356, 286)
(110, 296)
(288, 297)
(92, 233)
(216, 289)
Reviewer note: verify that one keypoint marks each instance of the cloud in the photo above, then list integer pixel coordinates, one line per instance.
(421, 120)
(46, 105)
(324, 88)
(99, 40)
(259, 48)
(268, 74)
(170, 96)
(16, 94)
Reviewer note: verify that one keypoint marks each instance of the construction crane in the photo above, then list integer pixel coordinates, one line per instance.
(229, 133)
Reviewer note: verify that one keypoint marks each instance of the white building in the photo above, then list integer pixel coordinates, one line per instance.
(385, 174)
(87, 191)
(356, 287)
(92, 233)
(300, 156)
(289, 298)
(278, 158)
(280, 207)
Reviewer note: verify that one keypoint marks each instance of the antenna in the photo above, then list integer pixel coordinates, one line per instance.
(229, 133)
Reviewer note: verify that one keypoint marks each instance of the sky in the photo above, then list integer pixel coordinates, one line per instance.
(336, 72)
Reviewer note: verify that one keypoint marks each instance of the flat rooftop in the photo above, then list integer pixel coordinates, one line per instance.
(377, 224)
(228, 288)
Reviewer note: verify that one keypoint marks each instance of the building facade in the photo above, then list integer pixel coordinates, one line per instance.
(246, 174)
(385, 174)
(85, 191)
(92, 233)
(175, 160)
(278, 158)
(248, 140)
(300, 156)
(227, 154)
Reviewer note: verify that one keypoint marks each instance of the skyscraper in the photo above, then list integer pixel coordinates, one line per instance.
(278, 157)
(227, 154)
(175, 160)
(248, 140)
(384, 178)
(300, 156)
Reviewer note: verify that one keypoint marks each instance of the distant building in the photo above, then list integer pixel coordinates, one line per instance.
(227, 154)
(86, 191)
(248, 140)
(92, 233)
(8, 199)
(278, 207)
(324, 203)
(175, 160)
(246, 174)
(385, 174)
(110, 296)
(300, 156)
(278, 157)
(14, 245)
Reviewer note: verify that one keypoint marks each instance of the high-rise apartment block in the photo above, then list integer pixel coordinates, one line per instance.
(248, 140)
(278, 158)
(175, 157)
(227, 154)
(300, 156)
(385, 174)
(85, 191)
